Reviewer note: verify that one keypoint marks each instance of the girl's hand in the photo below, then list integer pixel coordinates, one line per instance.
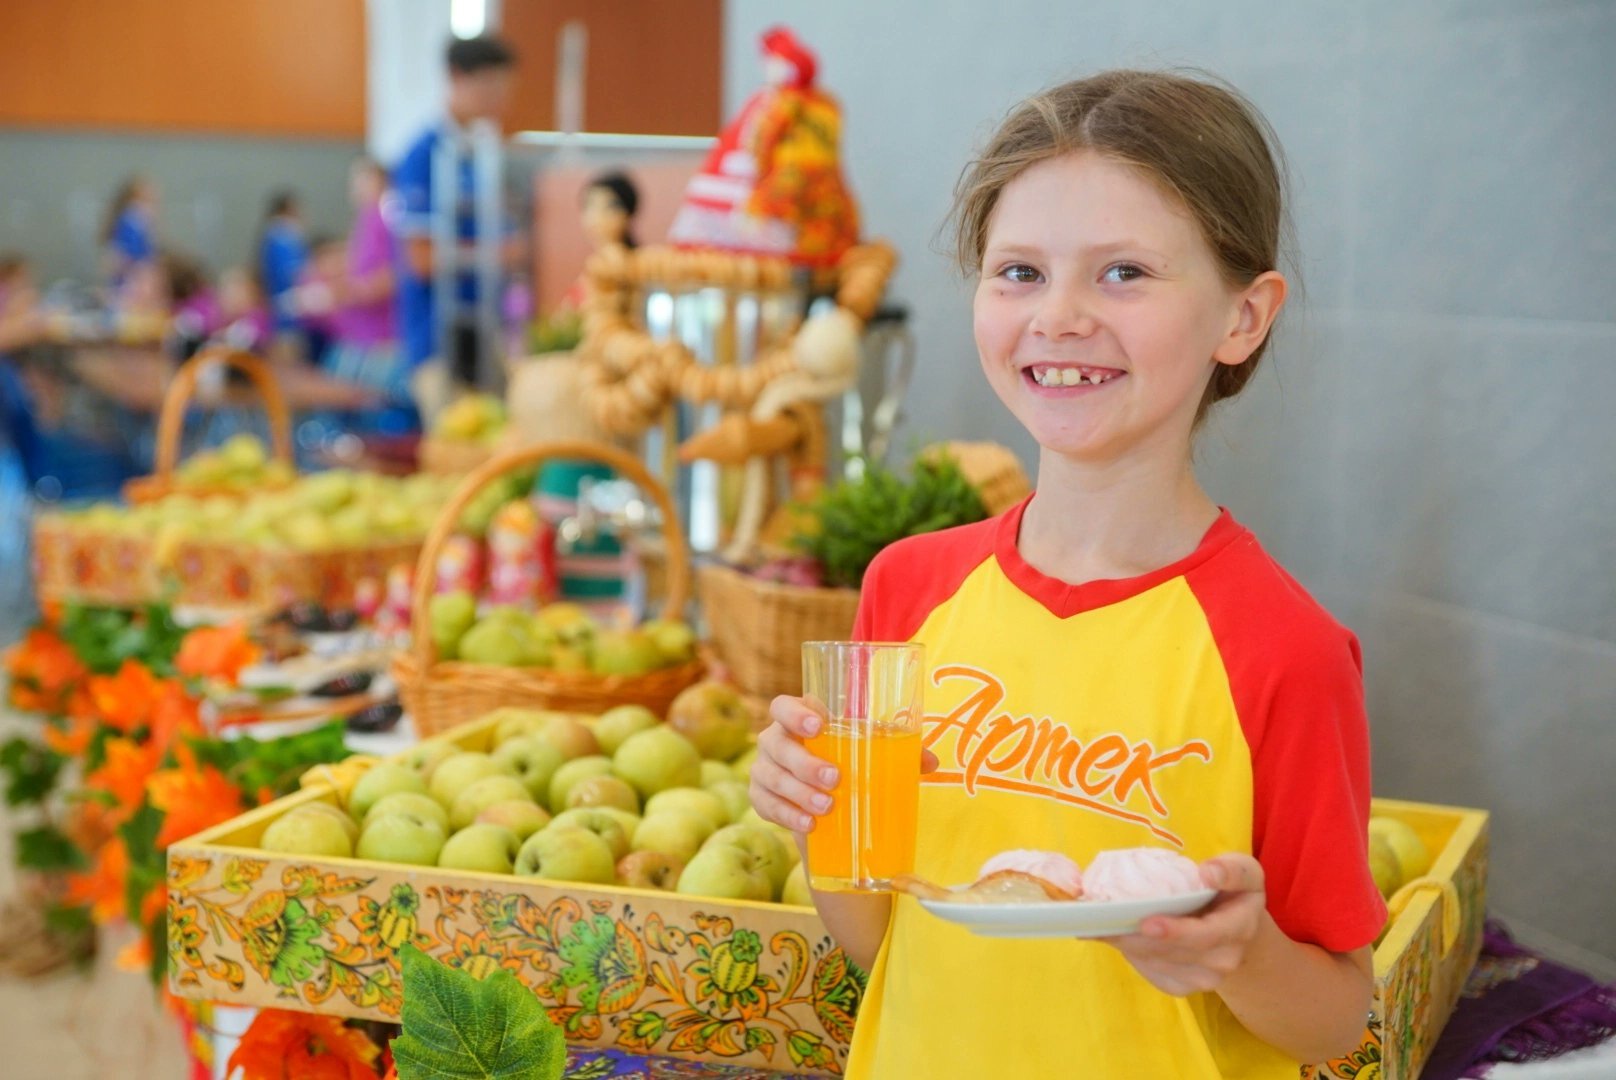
(790, 786)
(1198, 953)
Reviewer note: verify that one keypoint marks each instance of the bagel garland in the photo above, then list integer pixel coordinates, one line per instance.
(630, 378)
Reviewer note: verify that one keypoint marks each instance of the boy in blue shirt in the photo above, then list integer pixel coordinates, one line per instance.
(480, 71)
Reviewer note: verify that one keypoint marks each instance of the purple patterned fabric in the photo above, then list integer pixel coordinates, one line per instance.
(1519, 1006)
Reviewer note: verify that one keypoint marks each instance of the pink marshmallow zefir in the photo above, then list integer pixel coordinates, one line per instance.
(1050, 866)
(1140, 874)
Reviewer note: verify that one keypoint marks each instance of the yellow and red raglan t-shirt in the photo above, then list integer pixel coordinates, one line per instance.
(1208, 707)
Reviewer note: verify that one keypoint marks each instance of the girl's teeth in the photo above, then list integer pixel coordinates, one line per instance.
(1066, 377)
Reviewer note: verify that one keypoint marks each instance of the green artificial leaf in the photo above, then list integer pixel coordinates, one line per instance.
(147, 864)
(858, 518)
(47, 848)
(28, 770)
(457, 1028)
(275, 764)
(104, 637)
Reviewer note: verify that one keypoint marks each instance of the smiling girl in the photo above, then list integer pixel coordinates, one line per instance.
(1116, 662)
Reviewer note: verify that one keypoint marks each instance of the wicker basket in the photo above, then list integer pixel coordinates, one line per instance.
(442, 693)
(758, 627)
(171, 424)
(993, 470)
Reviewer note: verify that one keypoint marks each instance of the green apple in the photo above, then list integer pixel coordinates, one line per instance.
(307, 831)
(479, 795)
(742, 766)
(703, 804)
(674, 640)
(522, 816)
(726, 872)
(502, 642)
(657, 760)
(796, 890)
(570, 623)
(573, 658)
(673, 832)
(714, 717)
(349, 825)
(604, 790)
(597, 821)
(1413, 859)
(624, 652)
(567, 853)
(617, 724)
(533, 761)
(402, 838)
(382, 779)
(649, 870)
(736, 797)
(762, 844)
(629, 821)
(450, 615)
(483, 849)
(427, 756)
(567, 734)
(511, 722)
(408, 802)
(459, 772)
(713, 772)
(1383, 866)
(561, 783)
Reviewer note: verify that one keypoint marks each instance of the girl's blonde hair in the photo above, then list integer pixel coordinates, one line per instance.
(1202, 142)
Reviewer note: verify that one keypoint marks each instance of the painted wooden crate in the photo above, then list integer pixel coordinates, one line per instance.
(1429, 947)
(720, 981)
(73, 563)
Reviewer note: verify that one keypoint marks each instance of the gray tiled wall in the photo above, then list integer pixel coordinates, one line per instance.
(1433, 447)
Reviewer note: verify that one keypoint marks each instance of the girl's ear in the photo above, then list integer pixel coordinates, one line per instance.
(1258, 307)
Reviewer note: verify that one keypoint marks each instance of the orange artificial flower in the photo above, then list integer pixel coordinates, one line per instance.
(280, 1045)
(216, 652)
(71, 740)
(43, 669)
(123, 775)
(173, 714)
(125, 700)
(192, 797)
(102, 886)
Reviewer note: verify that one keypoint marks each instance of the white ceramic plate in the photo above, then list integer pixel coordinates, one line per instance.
(1064, 918)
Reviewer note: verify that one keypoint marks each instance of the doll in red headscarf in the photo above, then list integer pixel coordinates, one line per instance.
(773, 184)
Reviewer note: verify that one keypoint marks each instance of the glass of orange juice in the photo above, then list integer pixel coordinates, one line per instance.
(868, 695)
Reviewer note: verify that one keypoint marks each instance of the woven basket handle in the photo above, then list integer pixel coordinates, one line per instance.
(426, 567)
(171, 421)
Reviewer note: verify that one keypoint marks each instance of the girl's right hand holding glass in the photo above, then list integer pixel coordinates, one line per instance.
(790, 786)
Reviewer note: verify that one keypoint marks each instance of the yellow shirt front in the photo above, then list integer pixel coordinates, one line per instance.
(1210, 707)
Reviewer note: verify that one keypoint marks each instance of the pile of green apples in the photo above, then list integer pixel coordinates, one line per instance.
(319, 512)
(624, 798)
(240, 462)
(559, 636)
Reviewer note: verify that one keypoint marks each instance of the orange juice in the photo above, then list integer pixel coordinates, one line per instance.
(869, 834)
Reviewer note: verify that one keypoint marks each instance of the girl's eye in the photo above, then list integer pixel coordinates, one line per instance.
(1122, 272)
(1020, 273)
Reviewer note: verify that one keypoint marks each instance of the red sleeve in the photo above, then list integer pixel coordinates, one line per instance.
(914, 575)
(1297, 681)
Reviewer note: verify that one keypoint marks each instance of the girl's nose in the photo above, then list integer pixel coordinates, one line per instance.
(1063, 313)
